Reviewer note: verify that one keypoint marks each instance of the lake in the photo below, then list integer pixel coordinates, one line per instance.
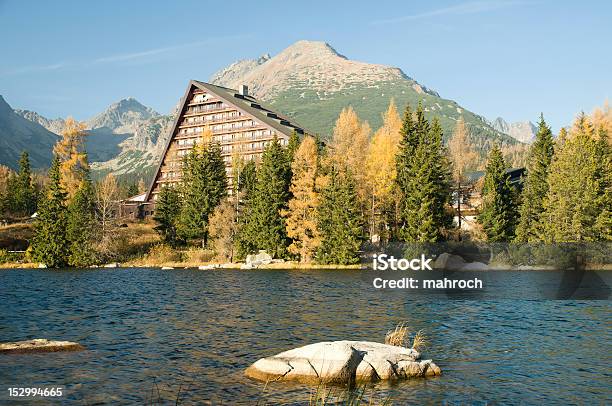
(148, 332)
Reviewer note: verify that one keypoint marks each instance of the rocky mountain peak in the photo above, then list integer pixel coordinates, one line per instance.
(308, 65)
(122, 116)
(523, 131)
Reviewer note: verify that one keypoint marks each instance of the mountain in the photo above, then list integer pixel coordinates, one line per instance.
(18, 134)
(311, 82)
(523, 131)
(54, 125)
(126, 138)
(123, 116)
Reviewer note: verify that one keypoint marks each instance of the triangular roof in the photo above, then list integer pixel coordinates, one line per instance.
(245, 103)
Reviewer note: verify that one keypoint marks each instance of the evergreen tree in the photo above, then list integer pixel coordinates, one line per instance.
(167, 211)
(264, 227)
(50, 245)
(21, 193)
(339, 221)
(292, 146)
(577, 206)
(535, 187)
(132, 190)
(204, 186)
(81, 227)
(248, 179)
(498, 213)
(423, 178)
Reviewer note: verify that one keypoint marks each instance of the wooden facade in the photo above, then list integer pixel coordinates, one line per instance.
(237, 121)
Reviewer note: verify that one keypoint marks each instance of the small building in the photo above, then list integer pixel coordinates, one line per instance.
(131, 208)
(241, 125)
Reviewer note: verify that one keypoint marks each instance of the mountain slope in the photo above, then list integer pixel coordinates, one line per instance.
(311, 82)
(18, 134)
(523, 131)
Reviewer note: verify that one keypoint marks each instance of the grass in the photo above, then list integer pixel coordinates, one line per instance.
(420, 341)
(323, 396)
(400, 337)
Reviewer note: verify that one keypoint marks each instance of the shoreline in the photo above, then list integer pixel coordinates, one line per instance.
(213, 266)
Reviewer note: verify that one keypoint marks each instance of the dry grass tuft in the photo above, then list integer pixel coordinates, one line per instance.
(162, 254)
(198, 256)
(420, 341)
(399, 337)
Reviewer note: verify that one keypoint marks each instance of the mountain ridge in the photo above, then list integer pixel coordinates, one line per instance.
(311, 82)
(523, 131)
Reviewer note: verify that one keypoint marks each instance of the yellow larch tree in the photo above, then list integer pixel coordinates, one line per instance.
(349, 147)
(381, 168)
(301, 213)
(602, 119)
(71, 151)
(463, 158)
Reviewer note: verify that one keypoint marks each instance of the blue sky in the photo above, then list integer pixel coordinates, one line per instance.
(508, 58)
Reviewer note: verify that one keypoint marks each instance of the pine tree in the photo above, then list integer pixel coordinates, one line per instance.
(301, 214)
(535, 185)
(498, 213)
(81, 227)
(423, 179)
(50, 245)
(248, 179)
(132, 190)
(577, 205)
(339, 221)
(21, 191)
(264, 227)
(167, 211)
(204, 186)
(5, 179)
(292, 146)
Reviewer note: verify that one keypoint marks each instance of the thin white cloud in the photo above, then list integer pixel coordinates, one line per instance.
(35, 68)
(117, 58)
(472, 7)
(157, 51)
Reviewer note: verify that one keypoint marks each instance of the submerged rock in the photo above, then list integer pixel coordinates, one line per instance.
(343, 362)
(39, 345)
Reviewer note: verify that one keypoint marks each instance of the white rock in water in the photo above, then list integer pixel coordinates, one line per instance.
(449, 262)
(343, 362)
(39, 345)
(166, 267)
(475, 266)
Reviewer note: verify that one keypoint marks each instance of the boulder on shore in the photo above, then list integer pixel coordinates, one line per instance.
(343, 362)
(254, 260)
(39, 345)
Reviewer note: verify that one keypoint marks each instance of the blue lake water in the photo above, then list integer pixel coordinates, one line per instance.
(148, 332)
